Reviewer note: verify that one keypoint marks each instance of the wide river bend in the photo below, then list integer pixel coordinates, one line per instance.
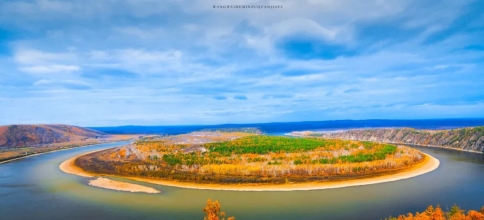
(35, 188)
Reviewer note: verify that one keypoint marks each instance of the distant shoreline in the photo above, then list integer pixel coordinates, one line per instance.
(427, 165)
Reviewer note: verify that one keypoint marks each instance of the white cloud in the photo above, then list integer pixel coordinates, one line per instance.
(143, 56)
(40, 62)
(59, 82)
(301, 26)
(137, 60)
(51, 69)
(31, 56)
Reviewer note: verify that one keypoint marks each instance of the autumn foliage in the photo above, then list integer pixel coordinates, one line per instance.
(436, 213)
(273, 156)
(212, 211)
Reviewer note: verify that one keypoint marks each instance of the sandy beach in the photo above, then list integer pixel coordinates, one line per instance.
(429, 164)
(68, 166)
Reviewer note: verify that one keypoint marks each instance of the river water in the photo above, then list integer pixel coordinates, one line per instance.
(35, 188)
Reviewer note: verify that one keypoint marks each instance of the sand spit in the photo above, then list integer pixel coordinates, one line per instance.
(121, 186)
(69, 166)
(429, 164)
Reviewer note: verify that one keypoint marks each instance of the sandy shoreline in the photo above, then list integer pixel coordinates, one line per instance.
(429, 164)
(69, 167)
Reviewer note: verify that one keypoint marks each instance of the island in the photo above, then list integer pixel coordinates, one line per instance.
(252, 161)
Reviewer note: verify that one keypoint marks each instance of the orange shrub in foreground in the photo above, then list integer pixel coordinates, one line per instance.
(436, 213)
(212, 211)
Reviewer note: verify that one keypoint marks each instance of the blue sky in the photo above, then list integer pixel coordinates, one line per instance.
(145, 62)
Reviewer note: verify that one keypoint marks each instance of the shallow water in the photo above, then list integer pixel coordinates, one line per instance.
(35, 188)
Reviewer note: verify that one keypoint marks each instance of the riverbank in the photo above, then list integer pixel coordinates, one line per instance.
(70, 167)
(427, 165)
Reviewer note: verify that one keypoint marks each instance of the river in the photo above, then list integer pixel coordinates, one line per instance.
(35, 188)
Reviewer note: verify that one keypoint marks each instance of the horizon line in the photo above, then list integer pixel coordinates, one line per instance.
(253, 123)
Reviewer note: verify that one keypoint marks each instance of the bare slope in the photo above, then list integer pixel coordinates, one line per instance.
(12, 136)
(467, 139)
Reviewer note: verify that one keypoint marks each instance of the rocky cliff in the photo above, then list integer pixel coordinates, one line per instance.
(468, 139)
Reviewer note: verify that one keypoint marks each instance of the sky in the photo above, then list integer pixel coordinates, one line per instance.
(146, 62)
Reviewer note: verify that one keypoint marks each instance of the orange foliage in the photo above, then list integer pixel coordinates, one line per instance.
(122, 152)
(191, 156)
(212, 211)
(437, 214)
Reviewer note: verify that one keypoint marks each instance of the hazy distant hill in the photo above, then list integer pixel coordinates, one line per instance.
(285, 127)
(469, 139)
(250, 130)
(38, 135)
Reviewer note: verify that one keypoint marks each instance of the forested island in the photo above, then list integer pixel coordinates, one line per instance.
(215, 157)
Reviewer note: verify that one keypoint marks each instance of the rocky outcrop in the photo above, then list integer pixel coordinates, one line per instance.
(467, 139)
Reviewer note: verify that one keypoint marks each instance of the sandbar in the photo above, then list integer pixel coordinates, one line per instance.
(120, 186)
(427, 165)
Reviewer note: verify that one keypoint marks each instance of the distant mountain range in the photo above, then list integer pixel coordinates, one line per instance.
(12, 136)
(280, 128)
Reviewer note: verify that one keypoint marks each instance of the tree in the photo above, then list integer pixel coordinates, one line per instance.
(474, 215)
(438, 214)
(431, 213)
(212, 211)
(456, 213)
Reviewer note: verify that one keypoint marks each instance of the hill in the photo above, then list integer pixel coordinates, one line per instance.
(23, 140)
(466, 139)
(37, 135)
